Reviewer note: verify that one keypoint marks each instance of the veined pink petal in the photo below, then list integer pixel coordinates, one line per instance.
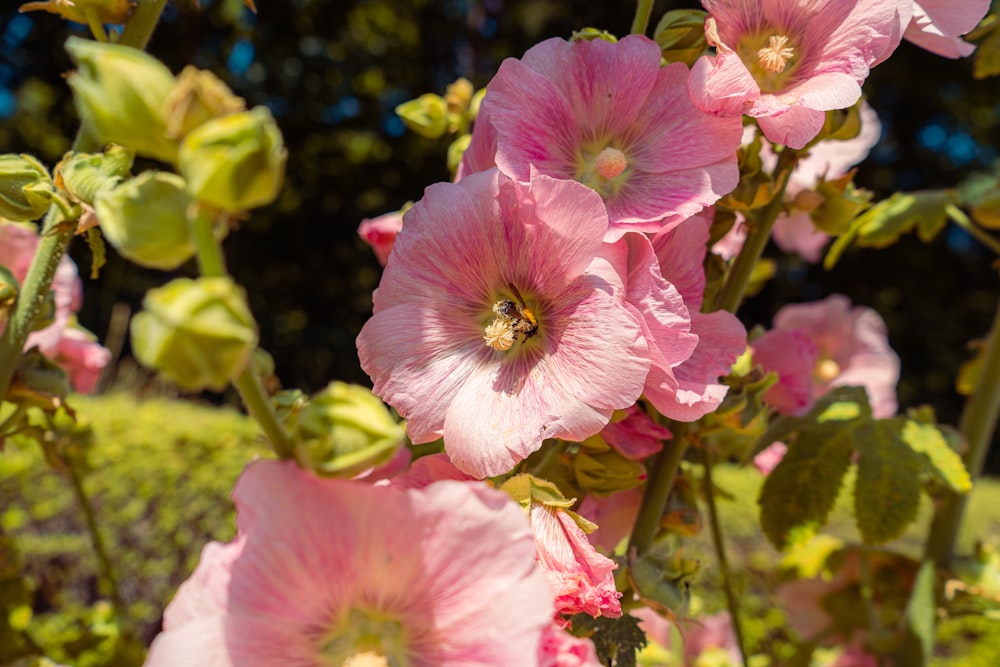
(937, 25)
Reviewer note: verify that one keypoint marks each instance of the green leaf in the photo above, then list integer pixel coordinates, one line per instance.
(887, 491)
(843, 403)
(616, 640)
(918, 640)
(940, 459)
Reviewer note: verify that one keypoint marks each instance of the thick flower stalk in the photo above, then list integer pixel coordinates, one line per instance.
(500, 320)
(339, 572)
(787, 62)
(609, 116)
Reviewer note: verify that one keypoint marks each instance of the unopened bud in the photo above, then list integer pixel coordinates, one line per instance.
(236, 162)
(590, 34)
(198, 97)
(197, 333)
(25, 188)
(113, 12)
(146, 220)
(345, 429)
(84, 175)
(607, 472)
(121, 93)
(427, 115)
(458, 95)
(681, 36)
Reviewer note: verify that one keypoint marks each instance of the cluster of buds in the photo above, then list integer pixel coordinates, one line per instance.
(433, 116)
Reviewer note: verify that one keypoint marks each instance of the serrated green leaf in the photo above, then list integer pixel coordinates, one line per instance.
(918, 640)
(941, 460)
(843, 403)
(887, 491)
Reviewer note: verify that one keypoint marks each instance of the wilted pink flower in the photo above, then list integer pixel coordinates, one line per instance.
(768, 459)
(65, 343)
(701, 635)
(851, 349)
(561, 649)
(786, 62)
(499, 323)
(380, 233)
(692, 388)
(608, 115)
(938, 25)
(581, 579)
(614, 515)
(331, 571)
(634, 434)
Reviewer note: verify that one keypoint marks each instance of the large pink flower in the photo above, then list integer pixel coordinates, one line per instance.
(608, 115)
(337, 572)
(68, 345)
(848, 347)
(499, 322)
(938, 25)
(691, 389)
(561, 649)
(785, 62)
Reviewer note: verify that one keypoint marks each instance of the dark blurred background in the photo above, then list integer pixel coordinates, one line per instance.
(332, 72)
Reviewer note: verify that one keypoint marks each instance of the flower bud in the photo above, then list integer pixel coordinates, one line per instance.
(104, 12)
(236, 162)
(145, 219)
(83, 175)
(345, 429)
(25, 188)
(681, 36)
(197, 333)
(607, 472)
(121, 93)
(427, 115)
(198, 97)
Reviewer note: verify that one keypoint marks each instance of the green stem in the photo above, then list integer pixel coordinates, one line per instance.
(658, 488)
(96, 540)
(959, 218)
(259, 407)
(12, 419)
(978, 421)
(867, 590)
(56, 231)
(211, 262)
(761, 222)
(720, 554)
(643, 10)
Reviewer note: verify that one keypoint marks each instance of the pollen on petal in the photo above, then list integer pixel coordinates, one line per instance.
(775, 56)
(609, 163)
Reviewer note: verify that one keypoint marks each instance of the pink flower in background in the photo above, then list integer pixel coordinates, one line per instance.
(561, 649)
(68, 345)
(380, 233)
(500, 323)
(938, 25)
(330, 571)
(692, 389)
(850, 346)
(609, 116)
(707, 634)
(769, 458)
(787, 62)
(614, 515)
(730, 245)
(581, 579)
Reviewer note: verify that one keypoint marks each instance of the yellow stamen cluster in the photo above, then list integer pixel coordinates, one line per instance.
(775, 56)
(367, 659)
(511, 319)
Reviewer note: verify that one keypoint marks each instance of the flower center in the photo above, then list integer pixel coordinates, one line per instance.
(775, 56)
(609, 163)
(827, 370)
(367, 659)
(511, 319)
(365, 639)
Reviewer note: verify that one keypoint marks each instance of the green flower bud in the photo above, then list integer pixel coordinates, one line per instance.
(236, 162)
(607, 472)
(590, 34)
(198, 97)
(25, 188)
(427, 115)
(83, 175)
(345, 429)
(146, 220)
(197, 333)
(681, 36)
(456, 150)
(121, 93)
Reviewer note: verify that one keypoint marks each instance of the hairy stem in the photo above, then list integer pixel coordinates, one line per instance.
(978, 421)
(658, 488)
(643, 10)
(719, 544)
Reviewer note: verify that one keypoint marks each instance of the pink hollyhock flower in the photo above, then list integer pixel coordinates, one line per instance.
(702, 635)
(339, 572)
(561, 649)
(614, 515)
(730, 245)
(692, 389)
(785, 62)
(938, 25)
(635, 435)
(769, 458)
(609, 116)
(500, 323)
(380, 233)
(850, 349)
(68, 345)
(581, 579)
